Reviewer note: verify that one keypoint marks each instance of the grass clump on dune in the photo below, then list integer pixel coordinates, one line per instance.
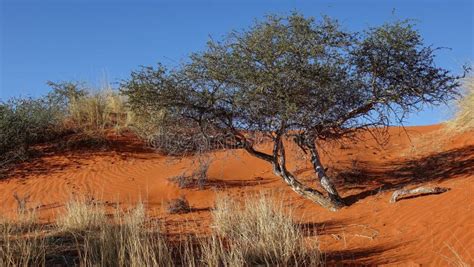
(257, 233)
(260, 232)
(131, 239)
(82, 215)
(464, 119)
(91, 110)
(22, 242)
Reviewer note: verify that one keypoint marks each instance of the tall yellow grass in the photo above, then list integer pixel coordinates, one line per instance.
(100, 109)
(257, 233)
(81, 215)
(260, 232)
(464, 119)
(21, 241)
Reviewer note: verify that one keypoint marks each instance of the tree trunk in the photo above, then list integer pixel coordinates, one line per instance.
(324, 180)
(279, 168)
(309, 193)
(278, 161)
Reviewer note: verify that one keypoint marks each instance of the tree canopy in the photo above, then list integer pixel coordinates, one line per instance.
(296, 77)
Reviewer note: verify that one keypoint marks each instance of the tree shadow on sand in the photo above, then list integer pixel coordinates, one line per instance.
(362, 256)
(371, 256)
(76, 156)
(435, 167)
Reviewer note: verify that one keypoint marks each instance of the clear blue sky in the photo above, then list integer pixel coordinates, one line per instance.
(88, 40)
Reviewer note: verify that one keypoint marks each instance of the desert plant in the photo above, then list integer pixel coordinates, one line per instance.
(295, 79)
(21, 242)
(198, 176)
(21, 202)
(178, 205)
(69, 107)
(128, 241)
(25, 122)
(182, 180)
(260, 232)
(82, 215)
(464, 118)
(91, 109)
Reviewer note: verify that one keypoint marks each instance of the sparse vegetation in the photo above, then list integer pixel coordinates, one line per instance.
(91, 110)
(294, 79)
(68, 108)
(259, 233)
(21, 202)
(25, 122)
(178, 205)
(288, 84)
(464, 119)
(21, 245)
(198, 176)
(82, 215)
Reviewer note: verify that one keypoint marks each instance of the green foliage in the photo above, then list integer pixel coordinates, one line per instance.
(24, 122)
(297, 73)
(69, 107)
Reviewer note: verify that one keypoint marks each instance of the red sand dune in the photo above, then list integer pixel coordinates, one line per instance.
(422, 230)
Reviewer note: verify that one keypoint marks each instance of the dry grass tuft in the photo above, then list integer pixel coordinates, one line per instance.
(258, 233)
(456, 259)
(82, 215)
(464, 119)
(98, 110)
(21, 244)
(131, 240)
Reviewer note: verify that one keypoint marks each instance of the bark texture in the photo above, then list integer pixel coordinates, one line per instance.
(324, 180)
(278, 160)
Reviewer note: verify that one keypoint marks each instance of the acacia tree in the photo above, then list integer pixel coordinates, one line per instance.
(297, 79)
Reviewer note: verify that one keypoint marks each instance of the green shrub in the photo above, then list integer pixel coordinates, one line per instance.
(24, 122)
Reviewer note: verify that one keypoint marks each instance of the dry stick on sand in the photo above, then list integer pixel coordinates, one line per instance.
(419, 191)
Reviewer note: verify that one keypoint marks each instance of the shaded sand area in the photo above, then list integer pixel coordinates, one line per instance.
(432, 229)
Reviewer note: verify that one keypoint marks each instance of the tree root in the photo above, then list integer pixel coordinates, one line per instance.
(419, 191)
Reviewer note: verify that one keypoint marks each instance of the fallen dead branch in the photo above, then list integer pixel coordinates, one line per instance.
(419, 191)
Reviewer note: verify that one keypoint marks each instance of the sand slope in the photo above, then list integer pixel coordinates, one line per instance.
(424, 230)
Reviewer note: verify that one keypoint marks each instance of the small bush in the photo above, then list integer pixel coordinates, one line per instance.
(68, 108)
(25, 122)
(178, 205)
(183, 181)
(197, 178)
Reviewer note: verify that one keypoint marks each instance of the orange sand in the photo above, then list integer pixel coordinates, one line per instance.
(371, 231)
